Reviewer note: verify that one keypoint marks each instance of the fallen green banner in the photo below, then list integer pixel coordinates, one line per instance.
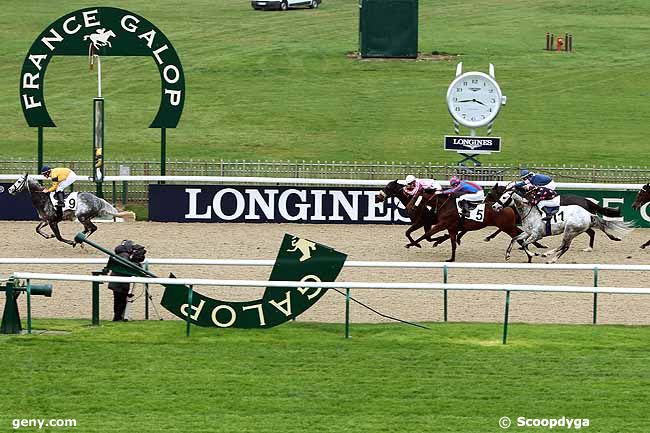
(298, 260)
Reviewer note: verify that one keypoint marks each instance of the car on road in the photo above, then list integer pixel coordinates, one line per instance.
(283, 5)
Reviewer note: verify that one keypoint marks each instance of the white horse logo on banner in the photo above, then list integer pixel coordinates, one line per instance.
(100, 39)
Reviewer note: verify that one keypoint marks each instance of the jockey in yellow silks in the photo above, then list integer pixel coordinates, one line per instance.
(61, 178)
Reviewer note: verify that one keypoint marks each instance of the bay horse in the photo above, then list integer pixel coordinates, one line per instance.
(570, 221)
(448, 219)
(565, 200)
(88, 206)
(421, 217)
(642, 197)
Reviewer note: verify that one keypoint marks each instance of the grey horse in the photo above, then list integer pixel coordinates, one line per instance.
(570, 221)
(89, 206)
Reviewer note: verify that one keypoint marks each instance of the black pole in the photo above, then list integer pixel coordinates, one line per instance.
(39, 152)
(163, 152)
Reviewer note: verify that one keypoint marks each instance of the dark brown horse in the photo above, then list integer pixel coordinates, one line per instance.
(420, 217)
(448, 219)
(642, 198)
(565, 200)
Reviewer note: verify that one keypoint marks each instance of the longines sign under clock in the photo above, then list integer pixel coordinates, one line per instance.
(469, 144)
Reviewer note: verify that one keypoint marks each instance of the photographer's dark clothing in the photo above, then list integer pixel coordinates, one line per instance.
(135, 254)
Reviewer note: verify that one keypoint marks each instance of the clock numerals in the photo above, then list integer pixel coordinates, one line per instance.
(474, 81)
(458, 89)
(457, 109)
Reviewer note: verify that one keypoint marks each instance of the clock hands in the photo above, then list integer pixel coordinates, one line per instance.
(472, 100)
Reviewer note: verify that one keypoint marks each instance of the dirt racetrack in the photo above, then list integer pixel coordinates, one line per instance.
(376, 242)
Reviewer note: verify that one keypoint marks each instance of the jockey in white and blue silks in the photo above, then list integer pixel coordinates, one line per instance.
(545, 187)
(468, 192)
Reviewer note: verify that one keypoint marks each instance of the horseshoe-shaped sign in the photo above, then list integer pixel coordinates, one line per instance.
(108, 32)
(298, 260)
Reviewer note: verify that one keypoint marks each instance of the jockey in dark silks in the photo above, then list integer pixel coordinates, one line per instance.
(470, 194)
(541, 192)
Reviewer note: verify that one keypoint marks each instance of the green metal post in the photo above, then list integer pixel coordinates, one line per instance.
(114, 193)
(39, 153)
(505, 319)
(125, 192)
(189, 310)
(95, 317)
(347, 313)
(29, 307)
(146, 295)
(595, 296)
(444, 280)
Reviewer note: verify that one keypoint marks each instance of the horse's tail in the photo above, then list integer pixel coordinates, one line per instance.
(618, 229)
(127, 215)
(109, 209)
(611, 212)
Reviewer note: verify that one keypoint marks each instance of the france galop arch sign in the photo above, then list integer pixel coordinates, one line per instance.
(105, 31)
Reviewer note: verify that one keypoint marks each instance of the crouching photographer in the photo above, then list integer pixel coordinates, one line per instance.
(134, 253)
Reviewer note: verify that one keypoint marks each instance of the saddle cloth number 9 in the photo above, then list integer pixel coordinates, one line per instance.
(70, 201)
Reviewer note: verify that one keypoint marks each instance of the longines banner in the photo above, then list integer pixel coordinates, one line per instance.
(319, 205)
(15, 207)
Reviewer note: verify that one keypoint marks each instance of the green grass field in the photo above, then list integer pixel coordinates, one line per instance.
(271, 85)
(148, 377)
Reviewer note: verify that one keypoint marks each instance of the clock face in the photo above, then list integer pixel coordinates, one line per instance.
(474, 99)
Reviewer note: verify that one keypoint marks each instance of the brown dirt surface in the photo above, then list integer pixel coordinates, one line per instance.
(369, 242)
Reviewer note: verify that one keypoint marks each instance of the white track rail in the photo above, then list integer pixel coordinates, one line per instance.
(349, 264)
(306, 181)
(332, 285)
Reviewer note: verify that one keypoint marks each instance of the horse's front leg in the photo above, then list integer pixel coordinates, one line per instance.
(592, 237)
(492, 236)
(514, 239)
(452, 239)
(408, 235)
(530, 240)
(40, 226)
(55, 229)
(435, 229)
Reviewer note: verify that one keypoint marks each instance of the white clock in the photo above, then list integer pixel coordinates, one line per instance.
(474, 98)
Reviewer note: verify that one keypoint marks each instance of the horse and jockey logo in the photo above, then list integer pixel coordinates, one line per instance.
(100, 38)
(304, 246)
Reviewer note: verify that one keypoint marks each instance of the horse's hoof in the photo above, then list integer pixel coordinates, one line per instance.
(642, 247)
(418, 246)
(486, 239)
(450, 260)
(617, 239)
(588, 250)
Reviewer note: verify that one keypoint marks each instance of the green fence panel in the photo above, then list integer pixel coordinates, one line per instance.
(388, 28)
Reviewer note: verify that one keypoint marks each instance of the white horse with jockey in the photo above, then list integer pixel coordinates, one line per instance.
(569, 221)
(100, 39)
